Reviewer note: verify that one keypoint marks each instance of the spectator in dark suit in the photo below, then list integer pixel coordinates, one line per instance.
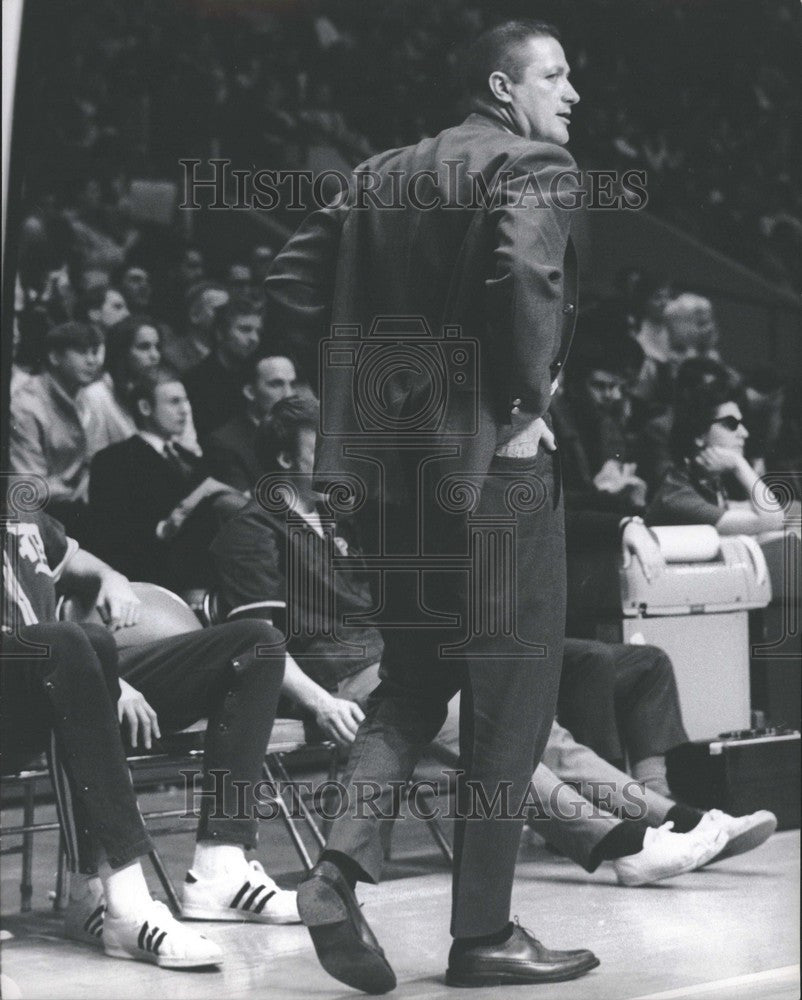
(591, 415)
(154, 507)
(189, 347)
(231, 449)
(214, 386)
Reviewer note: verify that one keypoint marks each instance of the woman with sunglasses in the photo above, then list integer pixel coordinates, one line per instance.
(711, 482)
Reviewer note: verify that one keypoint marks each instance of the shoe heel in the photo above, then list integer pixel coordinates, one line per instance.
(319, 904)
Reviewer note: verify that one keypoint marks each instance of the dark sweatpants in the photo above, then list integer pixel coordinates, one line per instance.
(71, 693)
(505, 657)
(213, 673)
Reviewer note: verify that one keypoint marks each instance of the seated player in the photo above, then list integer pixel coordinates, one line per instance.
(258, 556)
(163, 686)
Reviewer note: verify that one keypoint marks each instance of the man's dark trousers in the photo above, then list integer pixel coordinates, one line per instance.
(508, 682)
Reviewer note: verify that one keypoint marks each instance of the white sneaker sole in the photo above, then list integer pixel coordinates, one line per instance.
(163, 961)
(191, 912)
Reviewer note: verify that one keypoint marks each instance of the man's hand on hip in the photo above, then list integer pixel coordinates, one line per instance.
(524, 436)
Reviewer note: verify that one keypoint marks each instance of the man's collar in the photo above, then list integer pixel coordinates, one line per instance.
(485, 112)
(156, 442)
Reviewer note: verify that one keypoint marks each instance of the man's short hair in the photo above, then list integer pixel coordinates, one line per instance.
(72, 336)
(146, 385)
(237, 305)
(280, 431)
(263, 355)
(501, 48)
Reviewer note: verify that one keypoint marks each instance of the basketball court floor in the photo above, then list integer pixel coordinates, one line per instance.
(730, 932)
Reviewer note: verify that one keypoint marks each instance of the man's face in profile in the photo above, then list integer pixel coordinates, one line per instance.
(543, 98)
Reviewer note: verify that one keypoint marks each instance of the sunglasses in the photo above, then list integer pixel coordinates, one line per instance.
(730, 422)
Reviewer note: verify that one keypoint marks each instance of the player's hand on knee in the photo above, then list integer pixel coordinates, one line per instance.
(134, 712)
(117, 603)
(339, 719)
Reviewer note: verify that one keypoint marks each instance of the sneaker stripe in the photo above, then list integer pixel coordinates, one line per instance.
(140, 941)
(263, 901)
(155, 931)
(95, 927)
(93, 916)
(236, 900)
(158, 941)
(247, 904)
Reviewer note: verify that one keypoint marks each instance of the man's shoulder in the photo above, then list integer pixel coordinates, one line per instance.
(122, 452)
(233, 433)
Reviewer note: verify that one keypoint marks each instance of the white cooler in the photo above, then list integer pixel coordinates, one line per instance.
(697, 612)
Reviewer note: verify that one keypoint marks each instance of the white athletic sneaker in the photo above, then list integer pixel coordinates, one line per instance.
(154, 935)
(666, 854)
(743, 833)
(248, 894)
(83, 918)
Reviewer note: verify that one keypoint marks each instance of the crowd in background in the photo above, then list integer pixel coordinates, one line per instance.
(704, 97)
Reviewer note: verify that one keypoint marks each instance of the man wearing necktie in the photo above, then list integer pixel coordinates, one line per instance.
(155, 508)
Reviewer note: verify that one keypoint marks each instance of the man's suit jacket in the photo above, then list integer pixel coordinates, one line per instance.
(502, 273)
(131, 489)
(231, 453)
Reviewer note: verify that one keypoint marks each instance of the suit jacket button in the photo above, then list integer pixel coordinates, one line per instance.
(516, 402)
(569, 308)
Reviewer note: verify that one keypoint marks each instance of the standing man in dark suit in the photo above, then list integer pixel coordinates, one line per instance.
(154, 506)
(447, 280)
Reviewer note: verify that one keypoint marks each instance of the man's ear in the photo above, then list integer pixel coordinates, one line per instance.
(500, 85)
(248, 393)
(53, 358)
(145, 407)
(284, 461)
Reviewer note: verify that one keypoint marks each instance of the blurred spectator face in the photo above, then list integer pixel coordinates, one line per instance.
(204, 307)
(655, 304)
(92, 278)
(145, 350)
(191, 268)
(239, 277)
(112, 311)
(275, 380)
(77, 367)
(605, 389)
(683, 341)
(168, 412)
(136, 288)
(261, 259)
(305, 459)
(727, 429)
(543, 98)
(241, 338)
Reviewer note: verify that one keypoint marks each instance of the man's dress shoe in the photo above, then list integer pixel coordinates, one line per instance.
(520, 959)
(346, 946)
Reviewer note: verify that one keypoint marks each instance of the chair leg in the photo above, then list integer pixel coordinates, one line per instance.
(166, 882)
(299, 845)
(26, 884)
(278, 763)
(62, 894)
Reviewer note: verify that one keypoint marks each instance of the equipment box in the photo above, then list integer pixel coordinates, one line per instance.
(740, 775)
